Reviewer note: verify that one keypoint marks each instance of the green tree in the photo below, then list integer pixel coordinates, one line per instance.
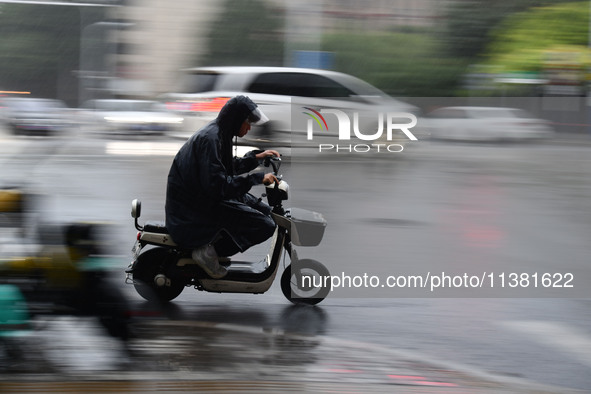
(247, 32)
(401, 64)
(523, 40)
(469, 22)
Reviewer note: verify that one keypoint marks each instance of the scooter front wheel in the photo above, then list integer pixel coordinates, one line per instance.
(145, 270)
(305, 282)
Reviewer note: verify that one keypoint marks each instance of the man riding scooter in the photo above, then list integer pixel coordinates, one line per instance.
(208, 205)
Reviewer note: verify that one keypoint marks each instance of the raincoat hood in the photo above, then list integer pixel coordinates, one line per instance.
(233, 114)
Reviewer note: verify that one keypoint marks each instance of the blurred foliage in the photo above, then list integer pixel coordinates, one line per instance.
(523, 40)
(247, 32)
(40, 48)
(513, 35)
(401, 64)
(469, 22)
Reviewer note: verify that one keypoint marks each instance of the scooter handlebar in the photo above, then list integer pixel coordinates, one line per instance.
(274, 162)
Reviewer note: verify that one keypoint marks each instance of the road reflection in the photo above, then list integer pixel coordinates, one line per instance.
(291, 319)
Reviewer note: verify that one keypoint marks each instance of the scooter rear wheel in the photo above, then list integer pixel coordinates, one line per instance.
(148, 265)
(303, 282)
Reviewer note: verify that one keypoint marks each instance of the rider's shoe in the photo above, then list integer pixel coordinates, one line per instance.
(207, 258)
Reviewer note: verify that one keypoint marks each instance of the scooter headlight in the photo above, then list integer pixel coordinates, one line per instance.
(277, 192)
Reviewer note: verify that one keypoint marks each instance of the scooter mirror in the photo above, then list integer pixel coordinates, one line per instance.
(136, 208)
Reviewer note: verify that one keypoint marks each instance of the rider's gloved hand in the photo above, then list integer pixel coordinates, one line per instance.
(269, 179)
(269, 152)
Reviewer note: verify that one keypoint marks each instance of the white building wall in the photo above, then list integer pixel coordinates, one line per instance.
(163, 38)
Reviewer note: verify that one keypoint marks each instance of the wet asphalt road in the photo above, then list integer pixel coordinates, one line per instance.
(435, 208)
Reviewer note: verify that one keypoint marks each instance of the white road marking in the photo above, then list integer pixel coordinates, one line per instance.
(142, 148)
(559, 336)
(154, 148)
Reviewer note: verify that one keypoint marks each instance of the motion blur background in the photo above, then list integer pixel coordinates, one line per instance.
(76, 51)
(522, 207)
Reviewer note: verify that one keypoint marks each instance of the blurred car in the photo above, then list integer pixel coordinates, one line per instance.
(123, 116)
(27, 115)
(470, 123)
(274, 89)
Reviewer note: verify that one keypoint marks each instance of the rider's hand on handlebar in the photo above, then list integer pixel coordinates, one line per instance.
(269, 179)
(262, 155)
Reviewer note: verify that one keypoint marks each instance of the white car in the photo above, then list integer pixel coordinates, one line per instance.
(38, 116)
(129, 116)
(281, 93)
(472, 123)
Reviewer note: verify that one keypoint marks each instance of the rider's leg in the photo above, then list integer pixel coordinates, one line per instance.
(244, 227)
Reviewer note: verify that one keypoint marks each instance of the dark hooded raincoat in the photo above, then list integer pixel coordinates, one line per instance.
(207, 199)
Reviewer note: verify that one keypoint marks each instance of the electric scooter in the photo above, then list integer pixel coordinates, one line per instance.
(160, 269)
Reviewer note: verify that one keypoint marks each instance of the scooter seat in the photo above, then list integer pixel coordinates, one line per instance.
(155, 227)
